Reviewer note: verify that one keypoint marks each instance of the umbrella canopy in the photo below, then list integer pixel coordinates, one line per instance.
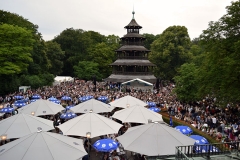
(184, 129)
(94, 105)
(33, 100)
(52, 99)
(154, 139)
(36, 96)
(151, 104)
(137, 114)
(105, 145)
(41, 107)
(103, 98)
(19, 104)
(155, 109)
(68, 115)
(127, 101)
(69, 107)
(43, 145)
(7, 110)
(21, 125)
(199, 139)
(85, 98)
(206, 148)
(94, 123)
(66, 98)
(171, 122)
(18, 97)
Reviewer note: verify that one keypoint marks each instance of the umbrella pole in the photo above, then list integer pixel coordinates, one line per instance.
(88, 135)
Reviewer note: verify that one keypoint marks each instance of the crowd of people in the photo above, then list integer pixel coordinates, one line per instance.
(205, 115)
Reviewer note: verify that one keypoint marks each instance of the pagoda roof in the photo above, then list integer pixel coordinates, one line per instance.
(132, 48)
(124, 78)
(137, 62)
(130, 35)
(133, 24)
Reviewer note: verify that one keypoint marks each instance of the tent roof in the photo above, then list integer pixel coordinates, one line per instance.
(139, 80)
(63, 78)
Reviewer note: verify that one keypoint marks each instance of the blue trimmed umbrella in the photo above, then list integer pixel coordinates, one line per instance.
(184, 129)
(33, 100)
(85, 98)
(66, 98)
(56, 101)
(151, 104)
(68, 115)
(206, 148)
(103, 99)
(7, 110)
(199, 139)
(105, 145)
(20, 103)
(52, 99)
(36, 96)
(18, 97)
(69, 107)
(155, 109)
(171, 122)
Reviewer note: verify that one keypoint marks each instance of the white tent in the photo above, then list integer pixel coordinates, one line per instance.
(138, 84)
(59, 79)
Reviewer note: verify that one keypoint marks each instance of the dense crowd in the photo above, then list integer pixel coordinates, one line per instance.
(204, 115)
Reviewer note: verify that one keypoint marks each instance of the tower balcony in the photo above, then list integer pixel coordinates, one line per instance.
(132, 57)
(131, 73)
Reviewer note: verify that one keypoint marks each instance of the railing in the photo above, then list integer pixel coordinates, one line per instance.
(132, 43)
(132, 57)
(132, 73)
(207, 150)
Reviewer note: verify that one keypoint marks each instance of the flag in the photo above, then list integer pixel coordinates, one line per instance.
(171, 122)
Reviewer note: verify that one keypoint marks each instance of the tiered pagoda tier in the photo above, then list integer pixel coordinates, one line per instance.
(132, 57)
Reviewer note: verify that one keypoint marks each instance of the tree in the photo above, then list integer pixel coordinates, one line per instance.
(103, 56)
(86, 70)
(55, 56)
(150, 38)
(186, 83)
(219, 73)
(15, 49)
(170, 51)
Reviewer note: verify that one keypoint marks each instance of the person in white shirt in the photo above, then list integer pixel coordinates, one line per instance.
(214, 121)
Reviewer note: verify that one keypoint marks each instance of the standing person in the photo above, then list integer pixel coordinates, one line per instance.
(214, 121)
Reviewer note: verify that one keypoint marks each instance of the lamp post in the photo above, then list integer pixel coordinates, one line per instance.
(3, 138)
(88, 135)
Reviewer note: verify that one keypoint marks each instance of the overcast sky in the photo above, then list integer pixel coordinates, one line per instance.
(110, 16)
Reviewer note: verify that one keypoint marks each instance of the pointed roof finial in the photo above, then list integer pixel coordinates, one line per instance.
(133, 12)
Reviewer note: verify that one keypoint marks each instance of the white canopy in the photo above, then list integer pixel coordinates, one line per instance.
(138, 84)
(127, 101)
(23, 124)
(154, 139)
(137, 114)
(63, 78)
(41, 107)
(94, 105)
(43, 146)
(94, 123)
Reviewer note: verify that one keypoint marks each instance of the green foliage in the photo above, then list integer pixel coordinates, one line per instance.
(170, 51)
(55, 56)
(15, 47)
(150, 38)
(86, 70)
(36, 81)
(186, 83)
(219, 73)
(15, 19)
